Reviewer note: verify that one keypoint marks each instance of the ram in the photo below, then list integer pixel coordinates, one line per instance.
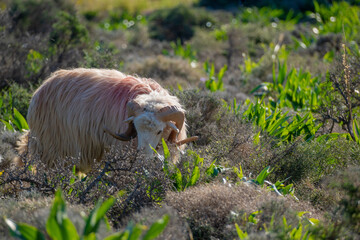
(82, 112)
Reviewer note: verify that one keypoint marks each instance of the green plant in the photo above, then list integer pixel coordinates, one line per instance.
(34, 62)
(249, 65)
(191, 174)
(59, 226)
(185, 52)
(122, 20)
(23, 14)
(278, 187)
(177, 23)
(338, 17)
(67, 32)
(214, 83)
(279, 124)
(266, 16)
(295, 89)
(340, 101)
(10, 116)
(303, 229)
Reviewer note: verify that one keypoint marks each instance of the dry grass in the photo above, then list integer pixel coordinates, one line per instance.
(177, 228)
(212, 209)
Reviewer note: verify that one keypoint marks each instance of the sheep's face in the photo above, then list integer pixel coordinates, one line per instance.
(149, 131)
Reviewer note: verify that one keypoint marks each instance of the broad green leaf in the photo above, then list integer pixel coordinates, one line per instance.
(96, 215)
(195, 175)
(238, 172)
(157, 228)
(222, 72)
(59, 226)
(20, 121)
(178, 180)
(256, 140)
(212, 170)
(314, 221)
(356, 130)
(263, 175)
(8, 125)
(135, 232)
(166, 149)
(91, 236)
(24, 231)
(277, 124)
(118, 236)
(301, 213)
(296, 233)
(242, 235)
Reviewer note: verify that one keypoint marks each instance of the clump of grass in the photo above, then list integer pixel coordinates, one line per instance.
(177, 23)
(7, 148)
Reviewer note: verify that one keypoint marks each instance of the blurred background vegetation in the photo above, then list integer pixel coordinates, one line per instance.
(270, 87)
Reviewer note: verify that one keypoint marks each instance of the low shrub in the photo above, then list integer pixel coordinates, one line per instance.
(177, 23)
(212, 209)
(36, 16)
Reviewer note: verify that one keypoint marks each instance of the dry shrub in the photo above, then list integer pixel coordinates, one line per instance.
(7, 148)
(329, 42)
(208, 48)
(272, 213)
(37, 37)
(14, 51)
(33, 208)
(140, 181)
(207, 207)
(169, 72)
(208, 118)
(347, 187)
(342, 221)
(223, 136)
(212, 209)
(176, 228)
(29, 207)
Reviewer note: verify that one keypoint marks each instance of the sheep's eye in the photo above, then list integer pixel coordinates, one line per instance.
(159, 132)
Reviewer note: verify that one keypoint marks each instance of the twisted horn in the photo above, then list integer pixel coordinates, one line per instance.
(126, 136)
(172, 113)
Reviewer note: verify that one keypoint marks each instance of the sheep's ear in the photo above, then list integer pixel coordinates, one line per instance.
(133, 108)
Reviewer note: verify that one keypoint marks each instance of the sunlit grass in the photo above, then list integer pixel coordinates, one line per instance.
(131, 6)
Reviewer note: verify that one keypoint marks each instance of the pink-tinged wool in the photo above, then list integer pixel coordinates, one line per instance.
(69, 111)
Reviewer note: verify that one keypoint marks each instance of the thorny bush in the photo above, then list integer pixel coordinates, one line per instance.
(136, 181)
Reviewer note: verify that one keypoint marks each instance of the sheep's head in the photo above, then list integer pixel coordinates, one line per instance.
(150, 126)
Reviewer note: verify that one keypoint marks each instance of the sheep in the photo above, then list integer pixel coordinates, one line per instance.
(79, 112)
